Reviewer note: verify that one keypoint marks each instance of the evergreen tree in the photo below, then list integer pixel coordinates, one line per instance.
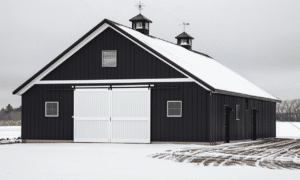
(9, 109)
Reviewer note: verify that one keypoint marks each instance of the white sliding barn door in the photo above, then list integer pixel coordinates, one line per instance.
(118, 115)
(91, 115)
(130, 115)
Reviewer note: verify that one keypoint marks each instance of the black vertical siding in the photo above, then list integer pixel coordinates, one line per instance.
(132, 61)
(241, 129)
(191, 127)
(197, 123)
(34, 123)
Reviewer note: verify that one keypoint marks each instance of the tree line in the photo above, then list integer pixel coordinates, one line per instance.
(288, 110)
(10, 113)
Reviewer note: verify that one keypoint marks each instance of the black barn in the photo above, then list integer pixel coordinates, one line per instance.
(120, 84)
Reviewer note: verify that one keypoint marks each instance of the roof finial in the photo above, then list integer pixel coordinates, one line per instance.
(184, 24)
(140, 6)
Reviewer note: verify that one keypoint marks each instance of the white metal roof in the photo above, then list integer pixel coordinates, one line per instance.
(206, 69)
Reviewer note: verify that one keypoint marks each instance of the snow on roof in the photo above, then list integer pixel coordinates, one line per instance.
(206, 69)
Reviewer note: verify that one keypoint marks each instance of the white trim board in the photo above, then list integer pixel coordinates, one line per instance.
(79, 46)
(111, 81)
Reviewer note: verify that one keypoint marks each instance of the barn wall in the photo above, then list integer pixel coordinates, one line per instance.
(133, 62)
(34, 123)
(241, 129)
(191, 127)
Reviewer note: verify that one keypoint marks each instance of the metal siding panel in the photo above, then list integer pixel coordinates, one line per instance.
(207, 118)
(194, 112)
(167, 120)
(176, 94)
(154, 117)
(133, 57)
(181, 120)
(189, 119)
(172, 121)
(32, 115)
(159, 114)
(213, 118)
(185, 112)
(24, 117)
(97, 58)
(200, 116)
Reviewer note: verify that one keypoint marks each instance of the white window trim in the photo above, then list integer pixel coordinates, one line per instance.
(46, 109)
(103, 57)
(174, 108)
(139, 27)
(237, 111)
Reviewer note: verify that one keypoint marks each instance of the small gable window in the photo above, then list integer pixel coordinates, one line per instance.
(109, 58)
(51, 109)
(174, 108)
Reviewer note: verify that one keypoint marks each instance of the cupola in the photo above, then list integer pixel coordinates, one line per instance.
(184, 40)
(141, 24)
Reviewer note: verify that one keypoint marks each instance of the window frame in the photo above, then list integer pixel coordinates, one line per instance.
(237, 112)
(103, 57)
(174, 108)
(46, 109)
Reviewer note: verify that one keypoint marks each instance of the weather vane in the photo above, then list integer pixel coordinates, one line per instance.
(140, 6)
(184, 24)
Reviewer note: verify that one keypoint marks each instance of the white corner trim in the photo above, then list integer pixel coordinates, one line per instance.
(112, 81)
(37, 80)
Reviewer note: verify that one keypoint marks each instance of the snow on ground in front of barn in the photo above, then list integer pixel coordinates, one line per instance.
(288, 130)
(120, 161)
(115, 161)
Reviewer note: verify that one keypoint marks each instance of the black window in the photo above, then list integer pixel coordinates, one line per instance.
(174, 109)
(51, 109)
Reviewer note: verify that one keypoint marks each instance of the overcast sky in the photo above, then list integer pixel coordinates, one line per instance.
(258, 39)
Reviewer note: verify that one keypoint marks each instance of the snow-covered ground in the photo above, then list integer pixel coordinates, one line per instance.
(115, 161)
(120, 161)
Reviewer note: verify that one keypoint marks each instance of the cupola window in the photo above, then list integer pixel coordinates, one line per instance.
(139, 25)
(147, 25)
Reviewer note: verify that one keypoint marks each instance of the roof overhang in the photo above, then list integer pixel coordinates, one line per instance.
(217, 91)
